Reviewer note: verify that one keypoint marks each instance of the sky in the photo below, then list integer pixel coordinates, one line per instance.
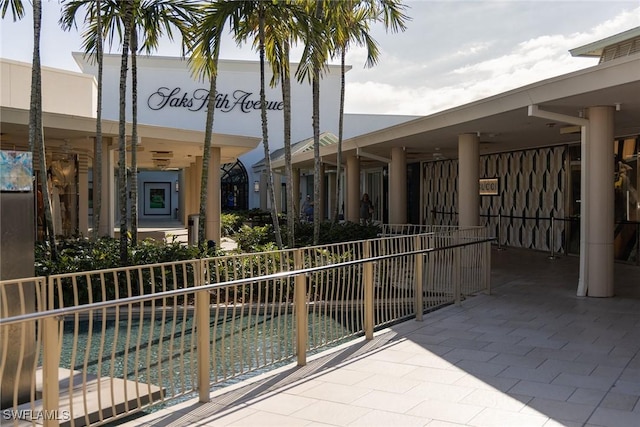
(453, 52)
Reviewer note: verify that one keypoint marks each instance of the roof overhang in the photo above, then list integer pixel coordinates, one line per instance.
(76, 134)
(596, 48)
(503, 122)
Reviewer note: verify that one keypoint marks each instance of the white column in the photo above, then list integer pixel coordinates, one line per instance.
(264, 191)
(107, 211)
(353, 189)
(83, 195)
(322, 208)
(196, 185)
(188, 194)
(398, 186)
(182, 195)
(212, 227)
(599, 216)
(296, 191)
(468, 180)
(277, 190)
(331, 202)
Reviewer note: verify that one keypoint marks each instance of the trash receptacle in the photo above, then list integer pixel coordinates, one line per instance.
(193, 224)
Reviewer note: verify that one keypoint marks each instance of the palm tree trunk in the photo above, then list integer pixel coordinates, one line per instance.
(286, 98)
(36, 133)
(315, 90)
(316, 155)
(265, 134)
(134, 137)
(122, 142)
(206, 152)
(97, 158)
(340, 132)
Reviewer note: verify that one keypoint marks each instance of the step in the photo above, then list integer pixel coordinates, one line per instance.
(113, 395)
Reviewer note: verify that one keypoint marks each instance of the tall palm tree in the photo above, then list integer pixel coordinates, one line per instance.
(285, 27)
(151, 20)
(265, 129)
(204, 46)
(248, 18)
(255, 21)
(36, 133)
(127, 19)
(92, 45)
(351, 20)
(318, 46)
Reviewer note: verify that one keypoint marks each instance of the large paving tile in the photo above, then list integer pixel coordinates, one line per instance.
(332, 413)
(492, 417)
(613, 418)
(380, 418)
(536, 389)
(389, 402)
(335, 392)
(562, 411)
(446, 411)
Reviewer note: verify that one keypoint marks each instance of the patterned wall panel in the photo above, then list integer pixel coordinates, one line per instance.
(532, 190)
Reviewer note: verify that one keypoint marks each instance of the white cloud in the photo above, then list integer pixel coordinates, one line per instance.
(444, 73)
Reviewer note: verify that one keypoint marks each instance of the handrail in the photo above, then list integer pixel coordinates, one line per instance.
(232, 315)
(60, 312)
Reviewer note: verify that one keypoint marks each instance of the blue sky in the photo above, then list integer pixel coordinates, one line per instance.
(453, 52)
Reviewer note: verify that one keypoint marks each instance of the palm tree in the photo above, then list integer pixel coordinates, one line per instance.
(284, 28)
(152, 19)
(36, 133)
(204, 45)
(318, 46)
(149, 20)
(92, 45)
(255, 21)
(351, 20)
(127, 20)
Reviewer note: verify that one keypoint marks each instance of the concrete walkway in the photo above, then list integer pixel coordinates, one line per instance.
(529, 354)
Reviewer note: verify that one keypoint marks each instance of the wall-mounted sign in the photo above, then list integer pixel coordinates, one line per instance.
(489, 187)
(16, 171)
(240, 100)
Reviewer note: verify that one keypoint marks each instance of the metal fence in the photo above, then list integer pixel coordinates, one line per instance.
(108, 343)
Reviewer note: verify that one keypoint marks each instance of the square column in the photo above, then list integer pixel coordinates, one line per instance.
(83, 195)
(398, 186)
(212, 226)
(353, 189)
(331, 203)
(322, 203)
(468, 180)
(277, 190)
(196, 185)
(296, 192)
(107, 206)
(598, 214)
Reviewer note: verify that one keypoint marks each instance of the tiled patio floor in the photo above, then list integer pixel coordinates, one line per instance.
(529, 354)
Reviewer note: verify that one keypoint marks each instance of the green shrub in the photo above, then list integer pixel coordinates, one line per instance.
(83, 254)
(253, 239)
(232, 222)
(335, 233)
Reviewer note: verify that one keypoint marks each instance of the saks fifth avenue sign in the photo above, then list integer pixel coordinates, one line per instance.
(240, 100)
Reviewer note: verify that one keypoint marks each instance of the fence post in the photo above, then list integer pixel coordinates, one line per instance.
(51, 344)
(203, 319)
(551, 240)
(418, 290)
(457, 270)
(300, 302)
(487, 267)
(500, 248)
(367, 281)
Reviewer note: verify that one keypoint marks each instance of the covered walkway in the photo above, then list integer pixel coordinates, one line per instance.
(529, 354)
